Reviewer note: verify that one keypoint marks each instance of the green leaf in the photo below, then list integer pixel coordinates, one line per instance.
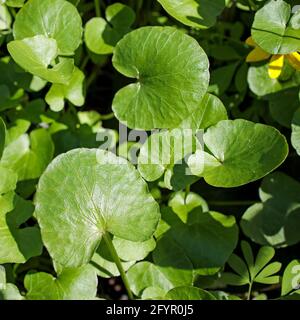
(264, 276)
(8, 180)
(36, 54)
(272, 29)
(261, 84)
(188, 293)
(101, 36)
(221, 78)
(146, 274)
(210, 112)
(291, 278)
(70, 284)
(245, 151)
(55, 19)
(234, 279)
(278, 102)
(5, 18)
(105, 194)
(163, 150)
(2, 136)
(207, 243)
(172, 73)
(133, 251)
(295, 137)
(182, 204)
(264, 256)
(17, 244)
(274, 221)
(8, 291)
(248, 256)
(28, 154)
(239, 266)
(194, 13)
(72, 91)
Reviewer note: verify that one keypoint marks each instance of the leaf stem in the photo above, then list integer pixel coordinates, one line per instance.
(249, 291)
(114, 254)
(97, 8)
(108, 116)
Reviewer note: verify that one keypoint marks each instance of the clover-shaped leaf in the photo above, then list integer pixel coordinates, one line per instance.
(274, 30)
(102, 35)
(17, 244)
(240, 152)
(172, 77)
(70, 284)
(104, 193)
(72, 91)
(55, 19)
(275, 220)
(194, 13)
(250, 270)
(36, 54)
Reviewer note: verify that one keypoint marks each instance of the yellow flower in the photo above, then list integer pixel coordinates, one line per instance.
(276, 61)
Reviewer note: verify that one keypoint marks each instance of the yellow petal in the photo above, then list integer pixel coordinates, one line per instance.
(294, 60)
(250, 42)
(257, 54)
(275, 66)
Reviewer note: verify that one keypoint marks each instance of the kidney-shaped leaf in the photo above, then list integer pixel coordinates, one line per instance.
(272, 29)
(172, 77)
(194, 13)
(56, 19)
(86, 193)
(244, 150)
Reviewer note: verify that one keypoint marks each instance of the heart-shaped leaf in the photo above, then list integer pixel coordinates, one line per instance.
(101, 36)
(291, 278)
(243, 152)
(272, 29)
(194, 13)
(55, 19)
(172, 77)
(104, 193)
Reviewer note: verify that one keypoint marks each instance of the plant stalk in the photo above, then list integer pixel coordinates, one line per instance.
(114, 254)
(249, 291)
(97, 8)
